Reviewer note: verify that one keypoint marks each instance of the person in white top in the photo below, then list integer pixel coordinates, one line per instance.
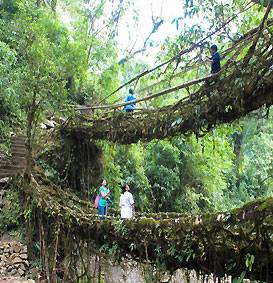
(126, 203)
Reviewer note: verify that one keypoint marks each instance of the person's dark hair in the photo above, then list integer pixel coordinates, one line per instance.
(102, 179)
(124, 188)
(131, 90)
(214, 47)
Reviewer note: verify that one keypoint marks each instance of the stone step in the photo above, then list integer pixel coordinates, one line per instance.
(19, 154)
(18, 138)
(18, 158)
(19, 162)
(5, 175)
(21, 138)
(16, 149)
(19, 146)
(14, 144)
(14, 168)
(6, 163)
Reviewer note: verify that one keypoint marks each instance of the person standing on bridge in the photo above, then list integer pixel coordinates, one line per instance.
(103, 193)
(130, 97)
(214, 60)
(126, 203)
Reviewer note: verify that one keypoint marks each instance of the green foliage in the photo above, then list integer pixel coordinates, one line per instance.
(251, 177)
(12, 213)
(10, 113)
(72, 162)
(131, 162)
(198, 175)
(240, 279)
(52, 65)
(162, 170)
(249, 261)
(8, 8)
(94, 31)
(38, 69)
(89, 278)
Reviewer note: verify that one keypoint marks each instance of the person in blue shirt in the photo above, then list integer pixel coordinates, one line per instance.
(214, 60)
(130, 97)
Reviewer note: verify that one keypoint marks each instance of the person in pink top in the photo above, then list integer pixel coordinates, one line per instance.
(103, 193)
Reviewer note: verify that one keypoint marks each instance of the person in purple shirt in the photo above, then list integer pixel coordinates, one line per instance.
(214, 60)
(130, 97)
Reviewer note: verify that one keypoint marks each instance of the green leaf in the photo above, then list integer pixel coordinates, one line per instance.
(239, 280)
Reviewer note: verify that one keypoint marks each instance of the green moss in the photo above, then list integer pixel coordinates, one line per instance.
(266, 205)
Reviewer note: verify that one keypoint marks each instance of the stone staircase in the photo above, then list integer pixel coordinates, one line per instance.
(18, 158)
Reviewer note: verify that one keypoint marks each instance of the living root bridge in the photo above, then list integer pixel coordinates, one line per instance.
(232, 242)
(240, 89)
(218, 243)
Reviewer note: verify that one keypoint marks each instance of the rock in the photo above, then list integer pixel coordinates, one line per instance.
(13, 271)
(17, 249)
(9, 261)
(22, 266)
(23, 256)
(3, 258)
(58, 120)
(34, 271)
(24, 250)
(26, 263)
(43, 126)
(4, 180)
(6, 249)
(17, 260)
(50, 124)
(21, 272)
